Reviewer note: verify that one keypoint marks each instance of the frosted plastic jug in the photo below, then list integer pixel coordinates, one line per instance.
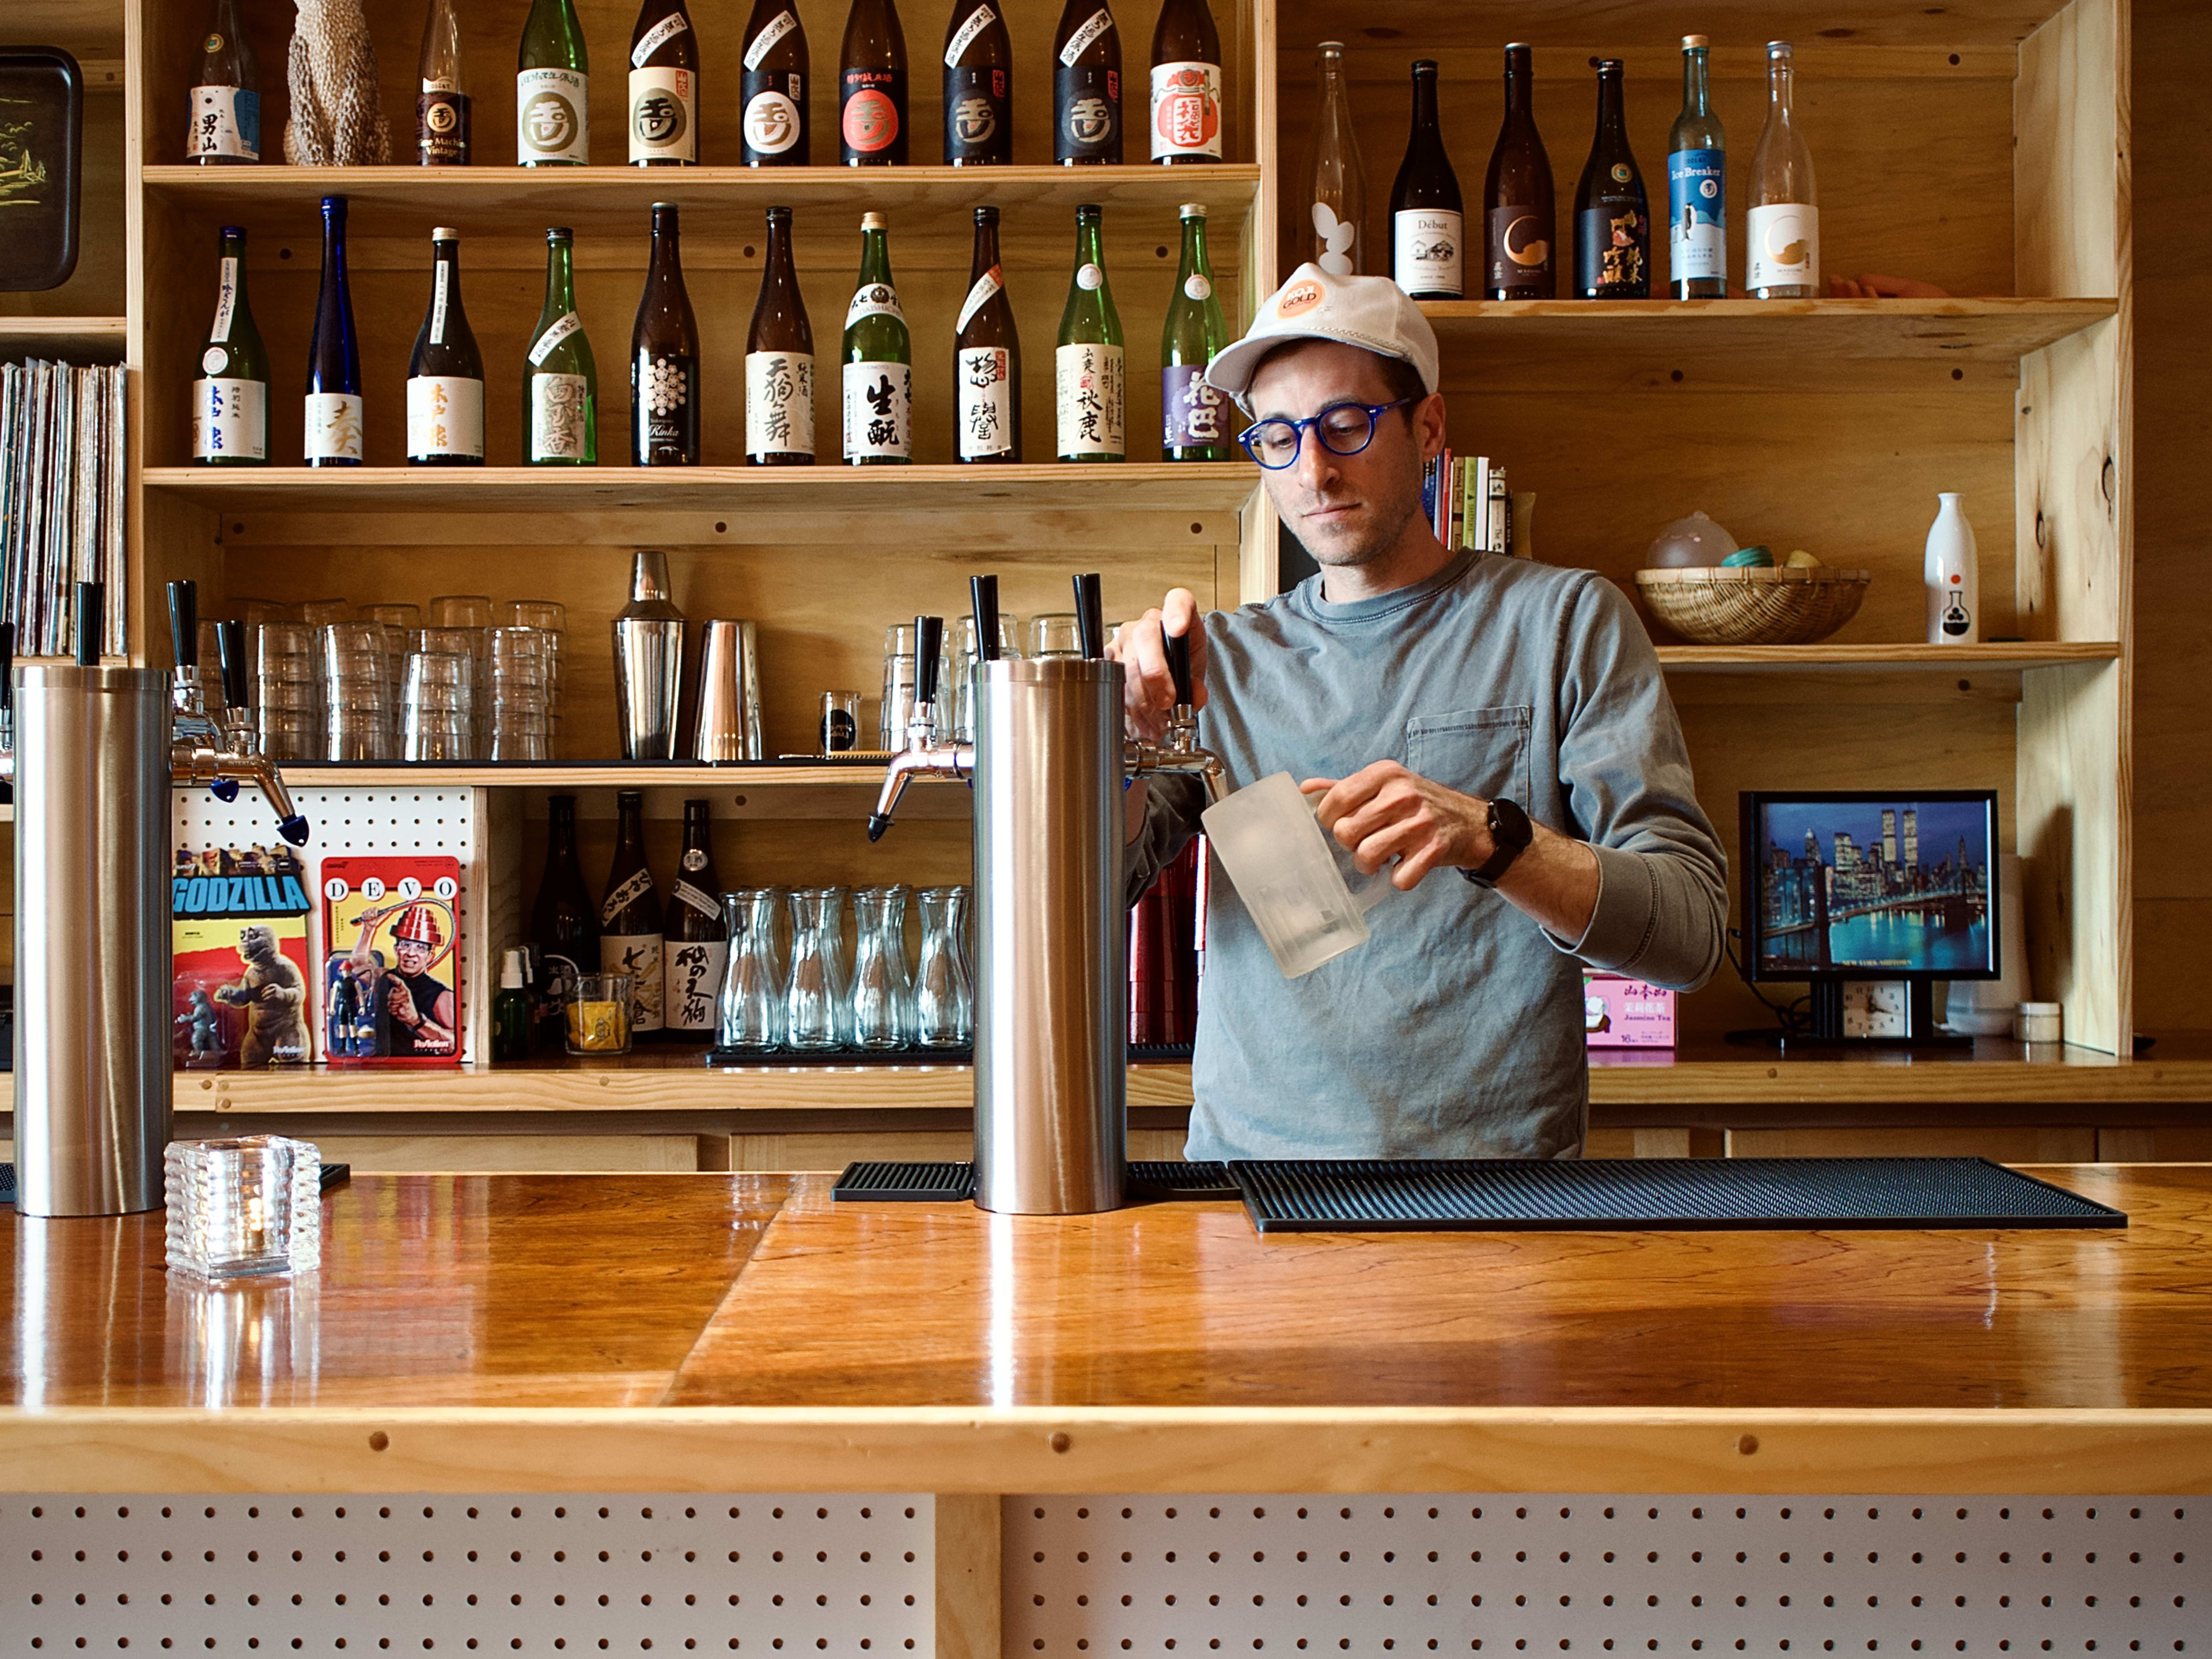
(1290, 874)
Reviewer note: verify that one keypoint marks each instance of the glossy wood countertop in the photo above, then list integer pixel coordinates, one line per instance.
(739, 1332)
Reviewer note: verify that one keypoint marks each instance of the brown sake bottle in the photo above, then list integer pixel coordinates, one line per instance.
(1185, 107)
(872, 86)
(772, 86)
(664, 357)
(780, 361)
(630, 920)
(1520, 248)
(979, 74)
(987, 358)
(1086, 86)
(664, 87)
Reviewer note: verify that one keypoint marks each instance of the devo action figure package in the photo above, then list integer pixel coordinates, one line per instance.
(239, 935)
(391, 968)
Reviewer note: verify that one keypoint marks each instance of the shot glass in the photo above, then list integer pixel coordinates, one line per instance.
(841, 721)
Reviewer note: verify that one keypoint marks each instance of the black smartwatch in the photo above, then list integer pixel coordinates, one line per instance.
(1509, 834)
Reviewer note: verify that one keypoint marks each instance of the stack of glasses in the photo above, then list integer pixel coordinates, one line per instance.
(288, 693)
(437, 698)
(357, 691)
(522, 680)
(821, 999)
(955, 716)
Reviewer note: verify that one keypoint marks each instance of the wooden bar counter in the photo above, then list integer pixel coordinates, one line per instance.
(740, 1331)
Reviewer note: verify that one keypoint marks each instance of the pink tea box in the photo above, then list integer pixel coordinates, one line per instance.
(1619, 1012)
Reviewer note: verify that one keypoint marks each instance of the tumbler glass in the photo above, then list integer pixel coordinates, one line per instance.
(815, 1008)
(243, 1207)
(1056, 634)
(598, 1014)
(942, 997)
(883, 992)
(750, 1014)
(841, 721)
(461, 611)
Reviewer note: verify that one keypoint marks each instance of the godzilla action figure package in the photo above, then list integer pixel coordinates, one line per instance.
(392, 973)
(239, 922)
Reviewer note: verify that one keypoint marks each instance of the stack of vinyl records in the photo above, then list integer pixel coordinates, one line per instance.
(61, 501)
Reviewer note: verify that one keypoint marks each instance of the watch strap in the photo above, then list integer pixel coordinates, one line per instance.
(1510, 836)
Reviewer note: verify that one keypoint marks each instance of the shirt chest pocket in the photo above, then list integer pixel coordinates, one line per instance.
(1478, 751)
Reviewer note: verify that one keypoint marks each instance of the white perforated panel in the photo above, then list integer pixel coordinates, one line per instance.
(580, 1575)
(1414, 1573)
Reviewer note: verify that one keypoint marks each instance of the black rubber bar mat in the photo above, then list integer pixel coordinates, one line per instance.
(1486, 1195)
(944, 1183)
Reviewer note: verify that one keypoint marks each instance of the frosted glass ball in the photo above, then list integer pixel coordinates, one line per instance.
(1689, 543)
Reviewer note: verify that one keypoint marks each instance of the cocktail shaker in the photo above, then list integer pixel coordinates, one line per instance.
(729, 724)
(648, 662)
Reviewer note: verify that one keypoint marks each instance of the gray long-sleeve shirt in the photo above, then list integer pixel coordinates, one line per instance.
(1456, 1031)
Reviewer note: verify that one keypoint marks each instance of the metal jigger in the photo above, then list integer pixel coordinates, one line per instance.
(649, 635)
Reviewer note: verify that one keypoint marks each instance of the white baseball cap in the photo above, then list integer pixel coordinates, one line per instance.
(1371, 312)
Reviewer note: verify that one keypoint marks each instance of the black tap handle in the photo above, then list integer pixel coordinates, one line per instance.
(1179, 665)
(91, 605)
(1089, 618)
(184, 622)
(983, 595)
(230, 650)
(928, 644)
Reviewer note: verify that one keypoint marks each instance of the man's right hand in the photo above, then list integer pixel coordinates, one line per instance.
(1140, 646)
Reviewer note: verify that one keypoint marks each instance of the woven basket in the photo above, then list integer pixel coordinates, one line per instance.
(1782, 606)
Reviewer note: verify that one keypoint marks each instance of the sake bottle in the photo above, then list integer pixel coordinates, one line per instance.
(552, 83)
(445, 377)
(441, 101)
(560, 382)
(772, 88)
(780, 360)
(230, 398)
(1425, 224)
(1613, 219)
(872, 86)
(664, 87)
(1519, 233)
(226, 107)
(334, 429)
(878, 359)
(1696, 188)
(1087, 362)
(1192, 413)
(979, 77)
(986, 357)
(1086, 86)
(630, 918)
(1781, 229)
(664, 353)
(1185, 123)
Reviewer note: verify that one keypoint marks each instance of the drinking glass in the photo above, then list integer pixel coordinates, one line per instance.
(1056, 634)
(956, 689)
(897, 707)
(882, 991)
(598, 1014)
(408, 616)
(751, 1014)
(243, 1207)
(461, 611)
(942, 996)
(841, 721)
(320, 613)
(549, 614)
(815, 1008)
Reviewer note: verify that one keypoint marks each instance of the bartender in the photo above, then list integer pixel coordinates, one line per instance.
(1494, 730)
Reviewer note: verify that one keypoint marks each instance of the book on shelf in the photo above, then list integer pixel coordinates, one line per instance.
(61, 501)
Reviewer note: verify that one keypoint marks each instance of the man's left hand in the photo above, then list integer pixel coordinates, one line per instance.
(1384, 812)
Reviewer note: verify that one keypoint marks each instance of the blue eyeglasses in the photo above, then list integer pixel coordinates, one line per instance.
(1343, 429)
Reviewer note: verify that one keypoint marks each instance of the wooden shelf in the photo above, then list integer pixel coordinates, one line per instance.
(79, 339)
(1196, 486)
(1818, 332)
(485, 200)
(1997, 658)
(588, 774)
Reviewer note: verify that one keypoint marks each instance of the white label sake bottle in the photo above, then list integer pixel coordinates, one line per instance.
(1954, 589)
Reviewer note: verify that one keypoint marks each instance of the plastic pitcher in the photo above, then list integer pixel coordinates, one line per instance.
(1290, 874)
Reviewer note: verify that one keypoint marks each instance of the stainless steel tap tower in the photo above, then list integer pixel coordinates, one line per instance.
(1051, 931)
(93, 756)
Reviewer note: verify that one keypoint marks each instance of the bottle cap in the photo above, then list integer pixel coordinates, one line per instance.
(1779, 49)
(1192, 210)
(872, 222)
(510, 971)
(1696, 40)
(445, 233)
(557, 234)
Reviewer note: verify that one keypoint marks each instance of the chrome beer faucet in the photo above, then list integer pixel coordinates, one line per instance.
(221, 757)
(923, 756)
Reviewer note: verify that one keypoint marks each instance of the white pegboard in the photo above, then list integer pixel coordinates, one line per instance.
(346, 822)
(1529, 1573)
(576, 1575)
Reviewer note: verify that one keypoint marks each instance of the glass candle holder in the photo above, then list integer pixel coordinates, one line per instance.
(243, 1208)
(598, 1014)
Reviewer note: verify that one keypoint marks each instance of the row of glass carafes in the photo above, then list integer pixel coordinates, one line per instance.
(868, 395)
(814, 996)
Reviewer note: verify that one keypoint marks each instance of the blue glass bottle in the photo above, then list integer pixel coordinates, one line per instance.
(334, 419)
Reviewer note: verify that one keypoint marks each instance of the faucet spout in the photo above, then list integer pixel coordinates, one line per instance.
(949, 760)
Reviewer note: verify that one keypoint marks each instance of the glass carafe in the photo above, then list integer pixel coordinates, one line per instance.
(751, 1007)
(944, 998)
(817, 1008)
(882, 995)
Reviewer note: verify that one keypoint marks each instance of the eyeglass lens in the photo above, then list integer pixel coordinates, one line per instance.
(1344, 430)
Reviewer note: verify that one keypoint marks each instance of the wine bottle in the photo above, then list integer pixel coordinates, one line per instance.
(979, 100)
(230, 398)
(1782, 230)
(552, 83)
(226, 124)
(564, 922)
(695, 946)
(986, 357)
(560, 381)
(774, 88)
(872, 86)
(1192, 413)
(664, 358)
(441, 101)
(334, 422)
(780, 361)
(1186, 103)
(1613, 219)
(1696, 188)
(1086, 86)
(878, 358)
(1087, 363)
(1424, 204)
(630, 918)
(664, 87)
(1520, 230)
(445, 377)
(1330, 219)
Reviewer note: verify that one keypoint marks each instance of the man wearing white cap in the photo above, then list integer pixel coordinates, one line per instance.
(1502, 718)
